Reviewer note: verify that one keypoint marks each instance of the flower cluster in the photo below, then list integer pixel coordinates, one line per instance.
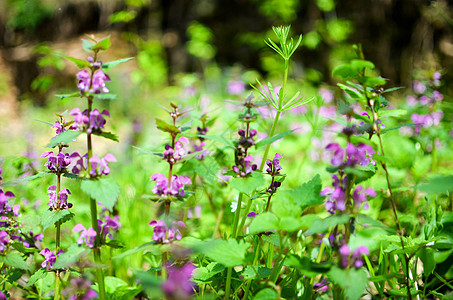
(355, 155)
(337, 195)
(49, 258)
(175, 188)
(59, 201)
(98, 166)
(87, 235)
(321, 287)
(425, 121)
(178, 284)
(198, 146)
(109, 225)
(245, 166)
(355, 259)
(164, 233)
(173, 155)
(80, 289)
(273, 169)
(57, 163)
(95, 85)
(89, 122)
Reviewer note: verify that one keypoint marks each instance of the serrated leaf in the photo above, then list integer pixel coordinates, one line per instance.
(49, 217)
(78, 62)
(36, 276)
(70, 257)
(102, 96)
(264, 222)
(252, 272)
(203, 274)
(229, 253)
(352, 281)
(103, 45)
(308, 194)
(165, 127)
(64, 138)
(270, 140)
(15, 260)
(437, 185)
(107, 135)
(322, 225)
(64, 96)
(248, 184)
(87, 45)
(111, 64)
(105, 191)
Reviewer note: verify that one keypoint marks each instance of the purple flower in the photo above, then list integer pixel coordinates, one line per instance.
(108, 225)
(94, 122)
(59, 127)
(58, 202)
(321, 287)
(102, 163)
(88, 234)
(4, 240)
(176, 187)
(360, 196)
(178, 284)
(98, 83)
(338, 154)
(80, 163)
(80, 289)
(3, 296)
(357, 256)
(165, 234)
(49, 258)
(84, 81)
(252, 214)
(419, 87)
(235, 87)
(4, 197)
(274, 165)
(194, 211)
(57, 163)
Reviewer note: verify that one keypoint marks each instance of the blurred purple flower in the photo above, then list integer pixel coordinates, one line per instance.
(80, 289)
(176, 187)
(98, 83)
(84, 81)
(235, 87)
(88, 234)
(108, 225)
(4, 240)
(165, 234)
(419, 87)
(179, 284)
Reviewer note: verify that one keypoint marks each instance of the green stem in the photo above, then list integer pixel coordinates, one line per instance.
(57, 240)
(255, 260)
(234, 236)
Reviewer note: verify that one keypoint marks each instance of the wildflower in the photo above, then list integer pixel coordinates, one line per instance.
(321, 287)
(235, 87)
(58, 202)
(80, 289)
(164, 234)
(92, 122)
(195, 211)
(104, 169)
(108, 225)
(84, 81)
(176, 187)
(360, 196)
(178, 284)
(252, 214)
(4, 197)
(356, 258)
(419, 87)
(33, 239)
(57, 163)
(98, 83)
(4, 240)
(88, 234)
(274, 165)
(49, 258)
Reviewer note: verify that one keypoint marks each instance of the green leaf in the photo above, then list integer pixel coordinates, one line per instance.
(437, 185)
(87, 45)
(309, 193)
(306, 266)
(352, 92)
(266, 294)
(107, 135)
(345, 72)
(165, 127)
(21, 248)
(36, 276)
(270, 140)
(427, 257)
(248, 184)
(32, 177)
(115, 244)
(203, 274)
(360, 64)
(15, 260)
(322, 225)
(49, 218)
(352, 281)
(264, 222)
(102, 96)
(64, 96)
(372, 81)
(70, 257)
(149, 247)
(79, 62)
(252, 272)
(111, 64)
(392, 113)
(289, 224)
(64, 138)
(229, 253)
(105, 191)
(103, 45)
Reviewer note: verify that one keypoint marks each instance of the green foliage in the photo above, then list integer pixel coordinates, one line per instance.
(69, 257)
(50, 217)
(266, 294)
(229, 253)
(105, 191)
(200, 41)
(264, 222)
(352, 281)
(64, 138)
(248, 184)
(15, 260)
